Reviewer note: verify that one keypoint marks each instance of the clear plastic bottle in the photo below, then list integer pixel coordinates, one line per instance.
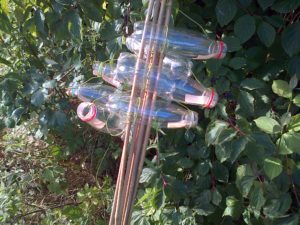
(181, 42)
(165, 115)
(185, 90)
(177, 64)
(87, 92)
(100, 119)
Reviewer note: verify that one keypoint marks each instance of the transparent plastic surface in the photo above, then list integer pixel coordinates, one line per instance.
(87, 92)
(177, 64)
(185, 90)
(100, 119)
(164, 115)
(182, 42)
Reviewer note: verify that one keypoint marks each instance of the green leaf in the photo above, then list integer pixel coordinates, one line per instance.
(293, 82)
(221, 172)
(290, 39)
(4, 61)
(202, 168)
(244, 179)
(264, 4)
(38, 98)
(74, 26)
(39, 19)
(245, 104)
(234, 207)
(4, 6)
(266, 33)
(294, 124)
(233, 43)
(225, 11)
(277, 207)
(282, 88)
(185, 163)
(214, 130)
(147, 175)
(268, 125)
(65, 2)
(294, 66)
(252, 84)
(237, 63)
(296, 100)
(257, 199)
(92, 9)
(243, 22)
(272, 167)
(216, 197)
(238, 146)
(286, 6)
(290, 220)
(289, 143)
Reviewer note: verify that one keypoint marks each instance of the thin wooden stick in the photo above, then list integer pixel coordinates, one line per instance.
(115, 218)
(150, 99)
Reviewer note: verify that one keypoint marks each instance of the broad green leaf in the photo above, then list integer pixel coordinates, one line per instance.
(244, 179)
(238, 146)
(38, 98)
(266, 33)
(74, 26)
(272, 167)
(93, 9)
(243, 22)
(226, 135)
(294, 124)
(289, 143)
(268, 125)
(286, 6)
(290, 39)
(245, 104)
(257, 199)
(185, 163)
(252, 84)
(225, 11)
(296, 100)
(233, 43)
(245, 3)
(294, 66)
(221, 172)
(293, 82)
(282, 88)
(39, 19)
(237, 63)
(216, 197)
(234, 207)
(214, 130)
(65, 2)
(9, 122)
(147, 175)
(202, 168)
(4, 6)
(290, 220)
(17, 114)
(264, 4)
(277, 207)
(4, 61)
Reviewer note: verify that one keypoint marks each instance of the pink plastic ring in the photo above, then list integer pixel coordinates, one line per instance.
(211, 99)
(91, 114)
(221, 43)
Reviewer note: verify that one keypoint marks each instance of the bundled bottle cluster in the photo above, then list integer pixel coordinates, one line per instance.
(105, 107)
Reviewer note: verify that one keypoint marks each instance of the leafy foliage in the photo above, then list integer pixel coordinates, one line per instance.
(239, 166)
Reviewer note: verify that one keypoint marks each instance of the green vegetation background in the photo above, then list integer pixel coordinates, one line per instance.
(239, 166)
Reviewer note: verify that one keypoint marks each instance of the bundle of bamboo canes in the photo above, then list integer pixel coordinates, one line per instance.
(138, 128)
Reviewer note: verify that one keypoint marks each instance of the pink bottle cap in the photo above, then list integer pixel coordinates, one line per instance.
(83, 114)
(208, 100)
(222, 49)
